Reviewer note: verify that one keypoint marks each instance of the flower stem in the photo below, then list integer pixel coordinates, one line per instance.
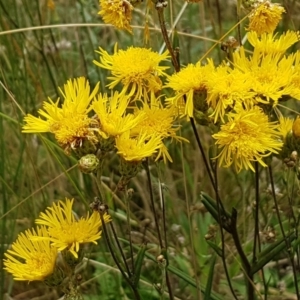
(157, 225)
(160, 11)
(288, 244)
(102, 209)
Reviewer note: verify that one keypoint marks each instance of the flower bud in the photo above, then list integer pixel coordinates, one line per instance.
(88, 163)
(296, 128)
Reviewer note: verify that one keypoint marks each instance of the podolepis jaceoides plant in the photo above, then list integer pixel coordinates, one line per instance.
(236, 111)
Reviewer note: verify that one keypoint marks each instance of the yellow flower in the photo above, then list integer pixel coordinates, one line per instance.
(270, 75)
(112, 115)
(31, 260)
(225, 88)
(265, 17)
(247, 137)
(157, 120)
(267, 44)
(285, 126)
(137, 69)
(295, 80)
(191, 79)
(117, 13)
(137, 148)
(65, 231)
(70, 124)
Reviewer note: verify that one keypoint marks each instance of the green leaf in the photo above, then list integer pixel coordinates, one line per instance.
(270, 253)
(212, 206)
(217, 249)
(138, 265)
(207, 294)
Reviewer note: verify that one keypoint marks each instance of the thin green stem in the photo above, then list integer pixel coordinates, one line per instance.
(160, 12)
(256, 213)
(157, 223)
(256, 242)
(120, 248)
(152, 203)
(223, 236)
(129, 228)
(245, 262)
(288, 244)
(125, 276)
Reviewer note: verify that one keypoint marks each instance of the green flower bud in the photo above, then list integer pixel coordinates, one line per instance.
(88, 163)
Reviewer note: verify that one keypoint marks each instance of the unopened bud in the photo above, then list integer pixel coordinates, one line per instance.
(160, 258)
(88, 163)
(294, 155)
(296, 128)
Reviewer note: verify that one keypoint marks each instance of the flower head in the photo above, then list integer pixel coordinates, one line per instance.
(265, 17)
(156, 120)
(226, 87)
(117, 13)
(137, 69)
(285, 126)
(186, 83)
(247, 137)
(295, 80)
(111, 112)
(65, 232)
(269, 43)
(31, 260)
(139, 147)
(69, 123)
(270, 75)
(159, 121)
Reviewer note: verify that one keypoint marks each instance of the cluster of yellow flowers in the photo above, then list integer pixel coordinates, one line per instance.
(133, 121)
(136, 124)
(241, 93)
(34, 254)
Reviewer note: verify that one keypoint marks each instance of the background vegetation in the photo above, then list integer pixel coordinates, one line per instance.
(41, 46)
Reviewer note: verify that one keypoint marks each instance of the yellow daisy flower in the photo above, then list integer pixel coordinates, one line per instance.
(270, 75)
(137, 69)
(295, 80)
(117, 13)
(137, 148)
(111, 112)
(285, 126)
(157, 120)
(65, 231)
(267, 43)
(225, 88)
(69, 123)
(248, 136)
(31, 260)
(265, 17)
(190, 80)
